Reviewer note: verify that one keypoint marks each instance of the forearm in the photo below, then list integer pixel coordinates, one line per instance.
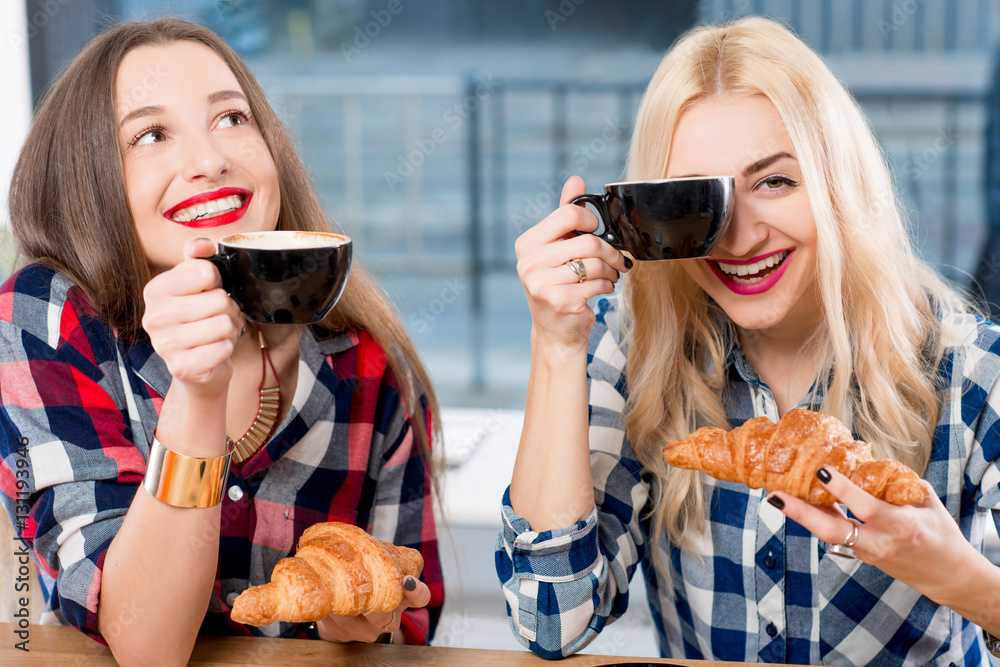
(157, 580)
(160, 568)
(973, 591)
(552, 485)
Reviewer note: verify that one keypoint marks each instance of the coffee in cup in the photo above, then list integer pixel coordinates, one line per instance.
(674, 218)
(284, 277)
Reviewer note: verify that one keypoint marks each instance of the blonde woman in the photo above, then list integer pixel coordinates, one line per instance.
(835, 313)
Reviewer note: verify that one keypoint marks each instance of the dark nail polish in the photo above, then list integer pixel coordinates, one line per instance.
(628, 263)
(776, 501)
(410, 583)
(823, 475)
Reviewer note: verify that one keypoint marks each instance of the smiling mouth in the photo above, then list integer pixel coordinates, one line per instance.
(749, 274)
(209, 209)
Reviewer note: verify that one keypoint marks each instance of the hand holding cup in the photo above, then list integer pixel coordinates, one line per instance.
(192, 324)
(562, 265)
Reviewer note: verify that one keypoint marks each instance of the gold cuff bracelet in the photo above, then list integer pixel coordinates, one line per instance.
(186, 481)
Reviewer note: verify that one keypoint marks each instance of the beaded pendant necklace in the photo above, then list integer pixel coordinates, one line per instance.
(264, 423)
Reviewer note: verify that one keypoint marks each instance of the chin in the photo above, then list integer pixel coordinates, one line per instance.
(756, 324)
(750, 318)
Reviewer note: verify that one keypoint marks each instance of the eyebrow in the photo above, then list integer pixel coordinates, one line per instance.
(766, 162)
(217, 96)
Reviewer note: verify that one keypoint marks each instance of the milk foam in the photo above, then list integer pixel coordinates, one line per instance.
(285, 240)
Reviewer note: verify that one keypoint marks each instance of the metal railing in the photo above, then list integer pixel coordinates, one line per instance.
(432, 192)
(872, 26)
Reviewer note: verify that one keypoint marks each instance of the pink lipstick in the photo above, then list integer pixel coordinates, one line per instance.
(758, 287)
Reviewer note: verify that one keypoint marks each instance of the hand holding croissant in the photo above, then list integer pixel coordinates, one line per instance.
(337, 569)
(785, 456)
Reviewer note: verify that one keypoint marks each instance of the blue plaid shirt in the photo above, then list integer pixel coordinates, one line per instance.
(757, 587)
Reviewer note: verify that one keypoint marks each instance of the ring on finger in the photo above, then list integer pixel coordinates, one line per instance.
(845, 548)
(577, 266)
(392, 619)
(852, 537)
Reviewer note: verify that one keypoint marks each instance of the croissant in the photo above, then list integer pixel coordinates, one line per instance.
(337, 569)
(785, 457)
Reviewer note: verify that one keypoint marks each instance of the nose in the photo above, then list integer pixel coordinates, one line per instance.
(747, 230)
(204, 158)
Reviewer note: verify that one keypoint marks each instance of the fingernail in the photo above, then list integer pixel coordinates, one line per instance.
(823, 475)
(776, 501)
(628, 263)
(410, 583)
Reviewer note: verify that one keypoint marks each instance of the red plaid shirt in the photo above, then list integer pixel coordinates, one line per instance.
(77, 414)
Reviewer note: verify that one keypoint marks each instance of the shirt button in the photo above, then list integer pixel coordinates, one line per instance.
(771, 630)
(769, 562)
(235, 493)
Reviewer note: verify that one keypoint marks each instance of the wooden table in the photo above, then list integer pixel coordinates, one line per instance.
(66, 646)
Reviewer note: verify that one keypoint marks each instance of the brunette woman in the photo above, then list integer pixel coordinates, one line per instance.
(116, 340)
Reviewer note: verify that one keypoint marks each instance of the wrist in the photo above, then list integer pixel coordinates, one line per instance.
(972, 591)
(186, 481)
(556, 351)
(192, 423)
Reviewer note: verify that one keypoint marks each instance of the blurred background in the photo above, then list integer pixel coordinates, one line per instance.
(437, 131)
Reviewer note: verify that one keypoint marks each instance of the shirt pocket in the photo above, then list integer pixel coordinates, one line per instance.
(301, 517)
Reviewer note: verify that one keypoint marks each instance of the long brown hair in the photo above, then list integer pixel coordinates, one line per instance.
(69, 207)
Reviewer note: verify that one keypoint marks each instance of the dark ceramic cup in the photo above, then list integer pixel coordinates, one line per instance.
(284, 277)
(676, 218)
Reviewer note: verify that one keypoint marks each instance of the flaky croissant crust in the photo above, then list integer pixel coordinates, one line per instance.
(785, 456)
(337, 569)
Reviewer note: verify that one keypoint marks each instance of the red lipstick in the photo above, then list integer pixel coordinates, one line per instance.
(214, 221)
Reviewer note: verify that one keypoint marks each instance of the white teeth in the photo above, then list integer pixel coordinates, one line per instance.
(752, 269)
(214, 207)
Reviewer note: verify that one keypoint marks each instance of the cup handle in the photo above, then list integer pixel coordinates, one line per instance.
(221, 263)
(600, 202)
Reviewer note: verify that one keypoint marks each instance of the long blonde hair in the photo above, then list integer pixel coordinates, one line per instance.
(883, 307)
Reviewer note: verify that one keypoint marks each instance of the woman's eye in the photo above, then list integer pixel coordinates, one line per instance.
(233, 119)
(776, 183)
(151, 136)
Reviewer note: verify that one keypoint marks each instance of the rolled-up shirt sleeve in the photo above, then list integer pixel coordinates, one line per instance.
(563, 586)
(552, 583)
